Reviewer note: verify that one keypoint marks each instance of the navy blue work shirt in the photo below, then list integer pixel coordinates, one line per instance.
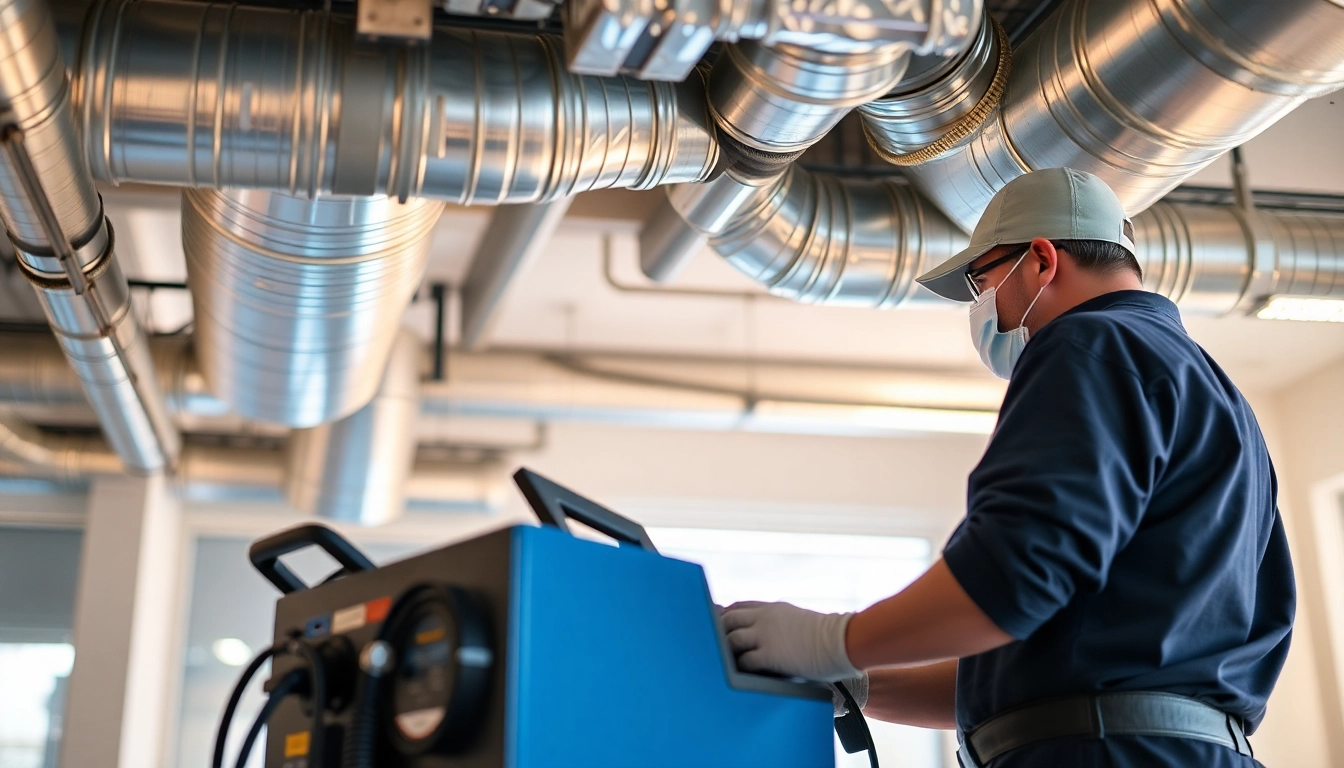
(1123, 527)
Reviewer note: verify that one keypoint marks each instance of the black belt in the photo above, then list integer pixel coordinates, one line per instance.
(1130, 713)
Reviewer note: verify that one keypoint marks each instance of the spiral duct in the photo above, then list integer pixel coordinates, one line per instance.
(1142, 93)
(65, 247)
(354, 470)
(821, 239)
(225, 95)
(298, 301)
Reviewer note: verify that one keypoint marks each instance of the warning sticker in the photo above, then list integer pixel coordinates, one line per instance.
(296, 744)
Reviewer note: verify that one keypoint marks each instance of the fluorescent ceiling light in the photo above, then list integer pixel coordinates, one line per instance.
(827, 418)
(1303, 308)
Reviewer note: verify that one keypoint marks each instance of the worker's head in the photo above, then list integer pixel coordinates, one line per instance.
(1047, 241)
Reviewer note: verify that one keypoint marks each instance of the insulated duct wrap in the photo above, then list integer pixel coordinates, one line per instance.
(298, 301)
(1142, 93)
(83, 293)
(820, 239)
(220, 95)
(354, 470)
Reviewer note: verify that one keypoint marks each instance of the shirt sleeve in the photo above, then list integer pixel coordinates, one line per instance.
(1062, 486)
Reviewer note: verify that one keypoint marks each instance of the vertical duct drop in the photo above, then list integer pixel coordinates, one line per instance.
(298, 301)
(355, 470)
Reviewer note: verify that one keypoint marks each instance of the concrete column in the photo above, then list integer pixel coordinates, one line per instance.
(127, 627)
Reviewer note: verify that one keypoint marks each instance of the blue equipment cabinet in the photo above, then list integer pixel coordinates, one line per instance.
(542, 651)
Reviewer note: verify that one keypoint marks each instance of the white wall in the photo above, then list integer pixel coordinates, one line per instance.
(1305, 427)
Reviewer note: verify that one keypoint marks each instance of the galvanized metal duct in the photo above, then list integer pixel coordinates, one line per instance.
(1219, 259)
(1142, 93)
(226, 95)
(54, 217)
(222, 473)
(355, 469)
(784, 93)
(298, 301)
(821, 239)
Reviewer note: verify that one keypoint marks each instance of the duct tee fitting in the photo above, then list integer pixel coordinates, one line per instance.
(221, 95)
(298, 301)
(820, 239)
(54, 217)
(1142, 93)
(354, 470)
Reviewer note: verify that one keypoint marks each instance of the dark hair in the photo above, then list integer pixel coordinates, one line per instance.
(1100, 256)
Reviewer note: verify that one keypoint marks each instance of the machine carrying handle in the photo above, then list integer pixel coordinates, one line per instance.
(556, 504)
(265, 554)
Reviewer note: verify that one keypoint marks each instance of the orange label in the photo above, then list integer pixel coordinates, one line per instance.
(296, 744)
(428, 636)
(376, 610)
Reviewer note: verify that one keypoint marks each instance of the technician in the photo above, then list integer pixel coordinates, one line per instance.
(1120, 592)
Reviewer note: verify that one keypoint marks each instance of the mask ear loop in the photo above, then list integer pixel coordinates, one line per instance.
(1023, 325)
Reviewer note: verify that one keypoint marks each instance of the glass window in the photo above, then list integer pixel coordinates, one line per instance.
(823, 572)
(39, 571)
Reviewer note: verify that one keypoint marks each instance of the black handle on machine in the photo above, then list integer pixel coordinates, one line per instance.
(556, 504)
(265, 554)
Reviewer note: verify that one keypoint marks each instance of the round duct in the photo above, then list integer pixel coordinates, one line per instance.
(298, 301)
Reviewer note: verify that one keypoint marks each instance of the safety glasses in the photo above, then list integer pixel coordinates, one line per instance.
(973, 274)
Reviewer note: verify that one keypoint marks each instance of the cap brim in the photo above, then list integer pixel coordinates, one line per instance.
(949, 278)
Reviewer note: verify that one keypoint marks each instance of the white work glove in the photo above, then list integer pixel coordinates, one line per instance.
(858, 688)
(788, 640)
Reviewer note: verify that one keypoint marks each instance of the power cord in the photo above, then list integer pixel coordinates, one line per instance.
(314, 675)
(853, 728)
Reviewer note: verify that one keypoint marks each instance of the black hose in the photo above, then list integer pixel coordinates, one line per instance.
(284, 688)
(232, 707)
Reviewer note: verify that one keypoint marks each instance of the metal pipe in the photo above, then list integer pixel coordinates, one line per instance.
(65, 246)
(666, 244)
(219, 473)
(820, 239)
(782, 94)
(514, 239)
(298, 301)
(1216, 260)
(227, 95)
(1142, 93)
(355, 469)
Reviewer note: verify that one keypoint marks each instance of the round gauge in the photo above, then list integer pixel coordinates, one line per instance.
(442, 674)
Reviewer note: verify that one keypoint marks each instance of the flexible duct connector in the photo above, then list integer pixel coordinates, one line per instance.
(221, 95)
(298, 301)
(354, 470)
(820, 239)
(783, 97)
(1142, 93)
(65, 246)
(1214, 260)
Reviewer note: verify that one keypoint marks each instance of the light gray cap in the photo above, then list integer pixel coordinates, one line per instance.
(1054, 203)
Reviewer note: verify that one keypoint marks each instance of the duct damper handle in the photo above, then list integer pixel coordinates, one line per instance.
(265, 554)
(556, 505)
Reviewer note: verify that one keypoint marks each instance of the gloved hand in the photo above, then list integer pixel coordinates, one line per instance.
(788, 640)
(858, 688)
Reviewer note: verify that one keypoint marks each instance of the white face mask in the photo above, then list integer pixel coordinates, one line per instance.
(999, 350)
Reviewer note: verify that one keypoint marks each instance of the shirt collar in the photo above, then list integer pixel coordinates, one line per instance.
(1129, 298)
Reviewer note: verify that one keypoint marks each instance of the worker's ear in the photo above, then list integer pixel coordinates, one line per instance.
(1045, 259)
